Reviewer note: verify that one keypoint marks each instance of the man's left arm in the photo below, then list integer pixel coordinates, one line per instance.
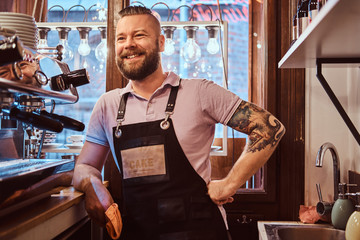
(265, 132)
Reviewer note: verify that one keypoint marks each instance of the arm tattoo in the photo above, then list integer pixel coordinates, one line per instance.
(261, 126)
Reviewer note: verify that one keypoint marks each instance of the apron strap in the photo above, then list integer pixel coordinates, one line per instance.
(172, 98)
(122, 106)
(165, 124)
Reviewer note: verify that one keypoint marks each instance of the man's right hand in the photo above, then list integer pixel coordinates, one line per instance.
(87, 179)
(97, 200)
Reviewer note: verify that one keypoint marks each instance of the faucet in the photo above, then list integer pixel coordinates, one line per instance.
(336, 164)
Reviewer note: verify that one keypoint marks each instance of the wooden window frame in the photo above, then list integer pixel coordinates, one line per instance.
(281, 92)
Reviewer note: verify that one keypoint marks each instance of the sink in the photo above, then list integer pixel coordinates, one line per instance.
(316, 233)
(297, 231)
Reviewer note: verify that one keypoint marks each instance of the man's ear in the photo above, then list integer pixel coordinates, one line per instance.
(162, 43)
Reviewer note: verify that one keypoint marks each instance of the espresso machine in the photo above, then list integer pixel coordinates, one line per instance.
(24, 101)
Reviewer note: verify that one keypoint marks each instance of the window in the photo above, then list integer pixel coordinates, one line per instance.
(89, 93)
(210, 66)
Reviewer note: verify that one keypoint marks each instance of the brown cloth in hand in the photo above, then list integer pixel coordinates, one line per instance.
(114, 224)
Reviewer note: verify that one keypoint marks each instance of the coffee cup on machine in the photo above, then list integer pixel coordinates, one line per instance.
(75, 139)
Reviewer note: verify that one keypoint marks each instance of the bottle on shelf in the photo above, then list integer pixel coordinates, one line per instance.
(321, 3)
(352, 230)
(294, 34)
(312, 9)
(343, 208)
(302, 17)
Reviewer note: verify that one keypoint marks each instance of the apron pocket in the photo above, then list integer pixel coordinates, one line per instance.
(201, 208)
(171, 210)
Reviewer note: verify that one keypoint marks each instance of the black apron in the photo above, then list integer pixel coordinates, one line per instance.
(164, 197)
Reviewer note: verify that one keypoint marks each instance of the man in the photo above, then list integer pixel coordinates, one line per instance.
(160, 129)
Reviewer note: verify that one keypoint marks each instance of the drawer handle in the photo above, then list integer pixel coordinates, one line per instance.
(244, 220)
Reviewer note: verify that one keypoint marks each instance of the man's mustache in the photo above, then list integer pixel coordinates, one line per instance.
(126, 54)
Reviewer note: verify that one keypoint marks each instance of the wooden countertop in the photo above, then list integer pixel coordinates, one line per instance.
(46, 218)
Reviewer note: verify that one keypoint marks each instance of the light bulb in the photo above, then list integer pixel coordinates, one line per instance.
(213, 46)
(169, 43)
(67, 51)
(169, 47)
(191, 51)
(42, 45)
(101, 49)
(84, 48)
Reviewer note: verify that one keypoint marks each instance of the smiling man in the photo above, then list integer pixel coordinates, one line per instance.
(136, 63)
(159, 129)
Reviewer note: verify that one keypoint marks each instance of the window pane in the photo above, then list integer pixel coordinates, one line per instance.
(89, 93)
(210, 66)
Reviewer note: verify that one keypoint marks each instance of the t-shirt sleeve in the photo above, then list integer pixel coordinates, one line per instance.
(96, 129)
(217, 101)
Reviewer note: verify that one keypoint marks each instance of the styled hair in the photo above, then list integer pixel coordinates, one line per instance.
(134, 10)
(139, 10)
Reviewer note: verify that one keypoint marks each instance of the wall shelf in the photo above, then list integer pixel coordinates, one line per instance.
(332, 38)
(334, 33)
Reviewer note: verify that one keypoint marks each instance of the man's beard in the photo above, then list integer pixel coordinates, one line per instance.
(147, 67)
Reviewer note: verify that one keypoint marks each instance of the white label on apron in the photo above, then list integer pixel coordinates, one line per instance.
(143, 161)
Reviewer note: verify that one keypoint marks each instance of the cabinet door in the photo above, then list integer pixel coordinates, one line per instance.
(243, 225)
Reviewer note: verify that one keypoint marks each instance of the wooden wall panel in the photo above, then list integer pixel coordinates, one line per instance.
(290, 104)
(114, 79)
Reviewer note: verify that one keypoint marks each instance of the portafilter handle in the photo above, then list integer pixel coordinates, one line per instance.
(68, 123)
(36, 120)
